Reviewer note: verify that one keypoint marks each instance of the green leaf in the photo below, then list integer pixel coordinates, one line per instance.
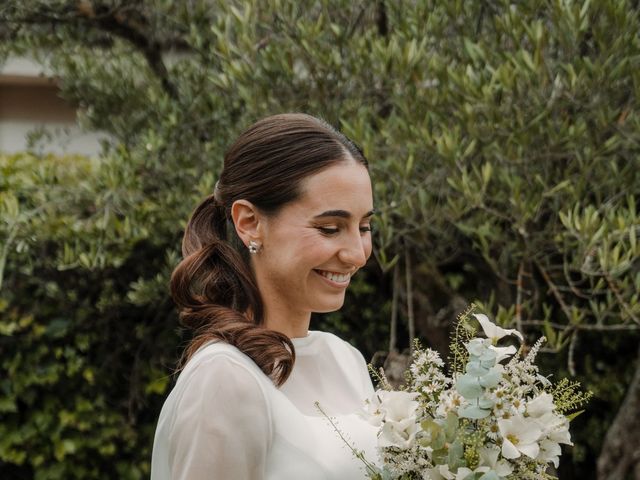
(469, 387)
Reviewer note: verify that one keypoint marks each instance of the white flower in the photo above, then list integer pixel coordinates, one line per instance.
(519, 435)
(450, 401)
(428, 357)
(464, 472)
(440, 472)
(489, 457)
(398, 405)
(494, 332)
(560, 431)
(555, 430)
(517, 407)
(549, 452)
(401, 434)
(503, 352)
(400, 423)
(553, 426)
(540, 405)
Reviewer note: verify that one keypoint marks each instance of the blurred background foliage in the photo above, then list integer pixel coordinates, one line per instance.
(503, 139)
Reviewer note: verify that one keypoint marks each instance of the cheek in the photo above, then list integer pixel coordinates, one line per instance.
(317, 247)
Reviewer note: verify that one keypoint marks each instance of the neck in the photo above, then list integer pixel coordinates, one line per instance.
(292, 325)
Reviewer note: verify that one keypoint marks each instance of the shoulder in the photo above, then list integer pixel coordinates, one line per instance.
(219, 391)
(223, 360)
(223, 371)
(221, 374)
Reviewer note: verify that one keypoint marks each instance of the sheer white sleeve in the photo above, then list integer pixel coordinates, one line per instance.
(222, 427)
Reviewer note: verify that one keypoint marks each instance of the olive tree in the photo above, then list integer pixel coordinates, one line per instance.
(503, 140)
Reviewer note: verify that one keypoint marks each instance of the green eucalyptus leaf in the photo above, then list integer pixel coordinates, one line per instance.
(474, 412)
(469, 387)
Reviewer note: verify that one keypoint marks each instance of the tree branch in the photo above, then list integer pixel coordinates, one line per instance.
(593, 328)
(121, 21)
(616, 292)
(554, 290)
(116, 23)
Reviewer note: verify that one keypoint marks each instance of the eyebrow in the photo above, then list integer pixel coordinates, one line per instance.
(342, 214)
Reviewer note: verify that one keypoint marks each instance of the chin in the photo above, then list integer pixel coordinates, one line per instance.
(326, 302)
(328, 307)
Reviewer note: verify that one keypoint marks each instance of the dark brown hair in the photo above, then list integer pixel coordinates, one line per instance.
(214, 286)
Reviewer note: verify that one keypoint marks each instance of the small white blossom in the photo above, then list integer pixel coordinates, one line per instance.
(450, 401)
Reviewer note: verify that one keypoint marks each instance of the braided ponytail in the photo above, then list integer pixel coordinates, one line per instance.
(214, 285)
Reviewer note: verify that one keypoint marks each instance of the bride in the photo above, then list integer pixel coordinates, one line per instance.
(286, 228)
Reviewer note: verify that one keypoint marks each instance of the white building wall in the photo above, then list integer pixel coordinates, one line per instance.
(29, 101)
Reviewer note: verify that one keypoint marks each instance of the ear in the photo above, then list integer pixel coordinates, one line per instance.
(247, 221)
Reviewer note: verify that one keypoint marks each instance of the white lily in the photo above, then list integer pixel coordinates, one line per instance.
(494, 332)
(503, 352)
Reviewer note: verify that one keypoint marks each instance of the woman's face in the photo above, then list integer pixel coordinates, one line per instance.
(313, 246)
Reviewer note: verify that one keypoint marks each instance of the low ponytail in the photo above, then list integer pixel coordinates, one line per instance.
(214, 286)
(218, 298)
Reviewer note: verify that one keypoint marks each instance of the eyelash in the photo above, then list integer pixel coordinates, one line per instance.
(332, 231)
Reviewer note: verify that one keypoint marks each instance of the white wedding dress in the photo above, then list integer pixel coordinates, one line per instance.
(225, 419)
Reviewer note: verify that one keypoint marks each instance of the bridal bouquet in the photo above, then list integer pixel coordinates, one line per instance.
(492, 417)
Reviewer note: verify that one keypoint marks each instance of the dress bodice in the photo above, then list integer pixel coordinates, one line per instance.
(225, 419)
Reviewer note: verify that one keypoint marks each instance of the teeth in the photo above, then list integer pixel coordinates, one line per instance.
(336, 277)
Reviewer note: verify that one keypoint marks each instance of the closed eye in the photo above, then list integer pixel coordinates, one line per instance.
(332, 231)
(328, 231)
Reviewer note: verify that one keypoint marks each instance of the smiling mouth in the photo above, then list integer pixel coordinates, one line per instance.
(334, 276)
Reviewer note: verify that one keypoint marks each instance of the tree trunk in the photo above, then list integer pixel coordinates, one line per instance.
(620, 455)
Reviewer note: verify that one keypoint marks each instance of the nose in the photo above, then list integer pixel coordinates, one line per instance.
(355, 250)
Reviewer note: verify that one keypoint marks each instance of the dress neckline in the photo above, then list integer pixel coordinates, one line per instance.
(299, 342)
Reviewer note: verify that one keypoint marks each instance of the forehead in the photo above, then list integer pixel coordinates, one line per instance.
(343, 186)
